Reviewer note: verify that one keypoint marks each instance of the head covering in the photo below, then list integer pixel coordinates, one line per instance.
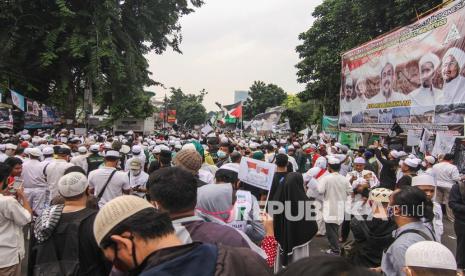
(72, 184)
(282, 151)
(457, 53)
(423, 179)
(214, 201)
(82, 149)
(47, 151)
(291, 234)
(10, 146)
(321, 163)
(258, 155)
(35, 152)
(429, 57)
(136, 149)
(188, 159)
(112, 153)
(430, 254)
(333, 160)
(116, 211)
(188, 146)
(430, 159)
(230, 166)
(395, 154)
(380, 195)
(412, 162)
(94, 148)
(135, 164)
(359, 160)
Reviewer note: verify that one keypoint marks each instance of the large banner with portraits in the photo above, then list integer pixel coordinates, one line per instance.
(413, 76)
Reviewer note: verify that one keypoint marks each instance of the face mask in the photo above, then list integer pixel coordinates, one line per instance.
(221, 154)
(135, 172)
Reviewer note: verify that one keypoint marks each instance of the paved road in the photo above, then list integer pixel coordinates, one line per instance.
(320, 244)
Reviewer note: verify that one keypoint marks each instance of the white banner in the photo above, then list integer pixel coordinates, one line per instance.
(413, 137)
(256, 173)
(443, 144)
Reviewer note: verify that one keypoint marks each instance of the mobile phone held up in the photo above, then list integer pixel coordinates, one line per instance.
(17, 184)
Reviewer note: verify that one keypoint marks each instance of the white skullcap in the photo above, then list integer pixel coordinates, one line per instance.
(349, 80)
(423, 179)
(380, 195)
(395, 153)
(283, 141)
(333, 160)
(82, 149)
(282, 151)
(253, 145)
(178, 146)
(230, 166)
(430, 159)
(290, 148)
(34, 152)
(112, 153)
(265, 143)
(296, 144)
(10, 146)
(2, 146)
(156, 150)
(429, 57)
(94, 148)
(136, 149)
(163, 147)
(187, 146)
(430, 254)
(402, 153)
(341, 157)
(47, 151)
(359, 160)
(72, 184)
(338, 145)
(458, 54)
(412, 162)
(224, 140)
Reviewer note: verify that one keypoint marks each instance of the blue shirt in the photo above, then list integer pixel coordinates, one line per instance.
(393, 260)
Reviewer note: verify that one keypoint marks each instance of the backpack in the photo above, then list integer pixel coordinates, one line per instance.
(47, 260)
(93, 162)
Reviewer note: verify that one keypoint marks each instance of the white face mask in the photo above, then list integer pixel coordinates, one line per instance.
(135, 172)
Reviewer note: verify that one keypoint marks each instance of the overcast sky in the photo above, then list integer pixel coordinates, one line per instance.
(227, 44)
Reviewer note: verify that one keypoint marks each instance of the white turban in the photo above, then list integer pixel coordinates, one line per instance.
(458, 54)
(429, 57)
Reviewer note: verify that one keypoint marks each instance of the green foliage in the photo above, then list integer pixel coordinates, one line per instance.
(52, 50)
(339, 26)
(189, 108)
(262, 96)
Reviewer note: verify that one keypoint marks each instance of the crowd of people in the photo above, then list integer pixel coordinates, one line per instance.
(172, 203)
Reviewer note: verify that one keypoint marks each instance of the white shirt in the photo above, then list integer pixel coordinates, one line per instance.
(118, 183)
(33, 174)
(80, 160)
(424, 96)
(206, 176)
(54, 171)
(446, 174)
(295, 167)
(454, 91)
(139, 180)
(335, 188)
(3, 157)
(12, 219)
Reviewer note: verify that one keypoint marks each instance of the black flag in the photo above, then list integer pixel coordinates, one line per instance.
(395, 130)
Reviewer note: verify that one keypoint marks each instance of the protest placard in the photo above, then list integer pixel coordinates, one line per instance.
(256, 173)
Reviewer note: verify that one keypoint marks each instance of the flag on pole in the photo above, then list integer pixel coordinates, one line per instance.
(395, 130)
(233, 112)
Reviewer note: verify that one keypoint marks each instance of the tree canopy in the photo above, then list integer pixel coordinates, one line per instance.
(54, 50)
(189, 108)
(339, 26)
(262, 96)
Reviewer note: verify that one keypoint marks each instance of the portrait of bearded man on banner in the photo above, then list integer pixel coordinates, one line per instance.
(427, 94)
(454, 83)
(387, 91)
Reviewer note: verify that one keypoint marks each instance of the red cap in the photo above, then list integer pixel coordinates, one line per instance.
(24, 144)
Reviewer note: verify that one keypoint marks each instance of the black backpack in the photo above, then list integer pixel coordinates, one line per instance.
(53, 259)
(93, 162)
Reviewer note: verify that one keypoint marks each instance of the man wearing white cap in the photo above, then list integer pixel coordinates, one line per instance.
(94, 160)
(427, 94)
(335, 188)
(47, 153)
(10, 149)
(137, 153)
(346, 102)
(454, 83)
(56, 169)
(70, 226)
(35, 185)
(81, 159)
(409, 168)
(429, 258)
(427, 184)
(387, 93)
(137, 178)
(107, 183)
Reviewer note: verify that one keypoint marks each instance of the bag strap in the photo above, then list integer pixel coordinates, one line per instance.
(44, 171)
(99, 196)
(418, 232)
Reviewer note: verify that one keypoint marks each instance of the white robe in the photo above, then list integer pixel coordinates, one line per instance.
(425, 96)
(335, 188)
(380, 98)
(454, 91)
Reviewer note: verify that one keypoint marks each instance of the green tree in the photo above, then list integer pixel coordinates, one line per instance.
(339, 26)
(54, 50)
(189, 108)
(262, 96)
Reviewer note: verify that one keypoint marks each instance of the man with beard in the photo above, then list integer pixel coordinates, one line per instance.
(427, 94)
(387, 93)
(454, 84)
(348, 93)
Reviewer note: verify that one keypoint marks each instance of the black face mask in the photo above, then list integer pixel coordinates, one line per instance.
(120, 265)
